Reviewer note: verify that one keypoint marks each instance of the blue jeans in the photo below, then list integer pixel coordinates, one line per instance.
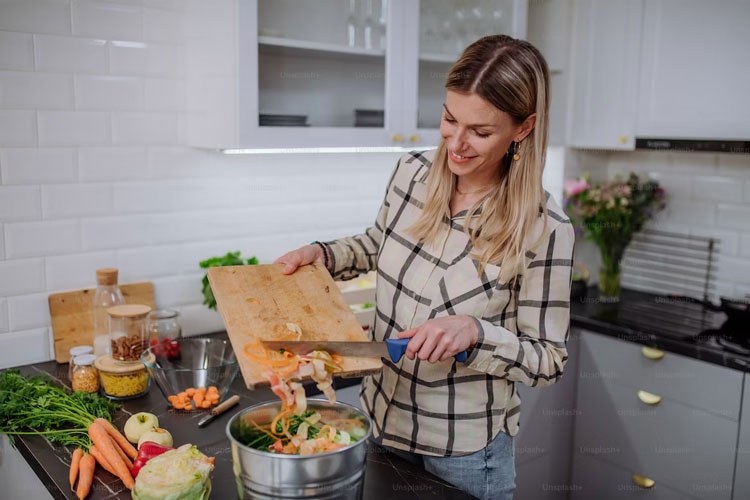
(489, 473)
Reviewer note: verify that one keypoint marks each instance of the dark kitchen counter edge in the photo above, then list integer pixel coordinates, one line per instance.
(386, 476)
(591, 314)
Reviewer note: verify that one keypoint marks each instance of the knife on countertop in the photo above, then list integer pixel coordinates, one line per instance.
(218, 410)
(391, 348)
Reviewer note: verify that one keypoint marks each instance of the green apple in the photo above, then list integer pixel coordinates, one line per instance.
(158, 436)
(139, 423)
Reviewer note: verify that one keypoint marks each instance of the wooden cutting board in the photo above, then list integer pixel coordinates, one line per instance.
(257, 302)
(73, 317)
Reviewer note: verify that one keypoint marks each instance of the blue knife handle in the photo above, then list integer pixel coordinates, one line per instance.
(397, 349)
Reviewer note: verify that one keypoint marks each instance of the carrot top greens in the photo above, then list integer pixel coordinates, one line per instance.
(37, 406)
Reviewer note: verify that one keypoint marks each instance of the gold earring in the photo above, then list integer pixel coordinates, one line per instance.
(516, 156)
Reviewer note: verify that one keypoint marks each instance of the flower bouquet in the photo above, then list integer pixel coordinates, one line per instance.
(609, 215)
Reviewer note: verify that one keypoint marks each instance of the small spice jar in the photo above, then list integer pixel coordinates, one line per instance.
(77, 351)
(128, 335)
(85, 375)
(121, 381)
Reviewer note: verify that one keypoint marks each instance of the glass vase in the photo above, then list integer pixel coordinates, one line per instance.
(609, 276)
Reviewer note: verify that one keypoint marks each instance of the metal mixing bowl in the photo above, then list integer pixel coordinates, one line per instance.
(332, 475)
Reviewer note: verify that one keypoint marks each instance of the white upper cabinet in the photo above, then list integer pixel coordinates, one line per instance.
(604, 64)
(694, 70)
(658, 69)
(328, 73)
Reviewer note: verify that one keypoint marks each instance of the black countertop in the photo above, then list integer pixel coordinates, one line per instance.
(387, 475)
(653, 320)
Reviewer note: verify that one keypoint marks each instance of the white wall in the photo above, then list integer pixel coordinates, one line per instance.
(93, 172)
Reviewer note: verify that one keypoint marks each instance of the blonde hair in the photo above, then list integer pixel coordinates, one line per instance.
(512, 75)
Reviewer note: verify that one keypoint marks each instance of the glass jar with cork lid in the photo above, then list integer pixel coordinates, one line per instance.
(128, 335)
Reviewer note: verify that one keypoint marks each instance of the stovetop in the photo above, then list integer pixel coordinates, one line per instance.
(680, 324)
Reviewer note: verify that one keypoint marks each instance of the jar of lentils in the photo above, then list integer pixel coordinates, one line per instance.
(85, 374)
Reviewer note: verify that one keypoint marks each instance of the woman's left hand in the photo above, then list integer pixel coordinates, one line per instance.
(441, 338)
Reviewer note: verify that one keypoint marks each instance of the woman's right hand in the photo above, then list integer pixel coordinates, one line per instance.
(300, 257)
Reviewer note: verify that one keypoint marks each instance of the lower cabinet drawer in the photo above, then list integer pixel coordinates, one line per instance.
(688, 449)
(595, 479)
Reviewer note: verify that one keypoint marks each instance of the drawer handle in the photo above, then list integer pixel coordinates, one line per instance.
(652, 353)
(649, 398)
(397, 138)
(643, 481)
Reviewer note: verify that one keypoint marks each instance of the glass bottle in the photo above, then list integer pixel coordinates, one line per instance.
(163, 325)
(85, 375)
(107, 294)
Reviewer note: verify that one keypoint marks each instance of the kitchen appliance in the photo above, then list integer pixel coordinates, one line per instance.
(261, 303)
(392, 348)
(331, 475)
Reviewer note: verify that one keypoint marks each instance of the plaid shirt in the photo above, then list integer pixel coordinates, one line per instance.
(450, 408)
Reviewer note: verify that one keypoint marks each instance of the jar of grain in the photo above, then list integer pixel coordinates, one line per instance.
(77, 351)
(122, 381)
(85, 374)
(128, 335)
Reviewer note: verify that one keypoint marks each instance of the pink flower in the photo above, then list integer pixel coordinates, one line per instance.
(574, 186)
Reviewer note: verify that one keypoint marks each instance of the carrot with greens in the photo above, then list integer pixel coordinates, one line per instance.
(75, 461)
(107, 447)
(122, 454)
(118, 437)
(86, 476)
(94, 451)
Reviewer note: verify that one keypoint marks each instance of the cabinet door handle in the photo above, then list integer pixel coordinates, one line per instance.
(414, 138)
(649, 398)
(652, 353)
(622, 139)
(398, 138)
(643, 481)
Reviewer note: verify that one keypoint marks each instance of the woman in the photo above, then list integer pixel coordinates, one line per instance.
(471, 254)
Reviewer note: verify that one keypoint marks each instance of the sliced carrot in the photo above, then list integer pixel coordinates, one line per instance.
(86, 476)
(75, 461)
(118, 438)
(206, 404)
(190, 391)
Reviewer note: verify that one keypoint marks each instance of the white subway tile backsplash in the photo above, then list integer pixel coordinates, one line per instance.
(2, 241)
(152, 262)
(78, 271)
(734, 164)
(109, 93)
(112, 233)
(176, 291)
(728, 241)
(733, 269)
(19, 277)
(73, 128)
(689, 212)
(733, 216)
(25, 347)
(176, 6)
(69, 201)
(109, 20)
(147, 59)
(165, 95)
(745, 246)
(16, 51)
(163, 26)
(145, 128)
(4, 315)
(35, 16)
(694, 163)
(71, 55)
(24, 90)
(38, 165)
(112, 163)
(20, 203)
(198, 319)
(28, 311)
(17, 128)
(38, 239)
(717, 188)
(176, 162)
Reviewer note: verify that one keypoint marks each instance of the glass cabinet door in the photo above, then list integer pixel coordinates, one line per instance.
(446, 27)
(322, 63)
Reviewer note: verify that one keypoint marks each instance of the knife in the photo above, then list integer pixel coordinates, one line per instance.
(392, 348)
(218, 410)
